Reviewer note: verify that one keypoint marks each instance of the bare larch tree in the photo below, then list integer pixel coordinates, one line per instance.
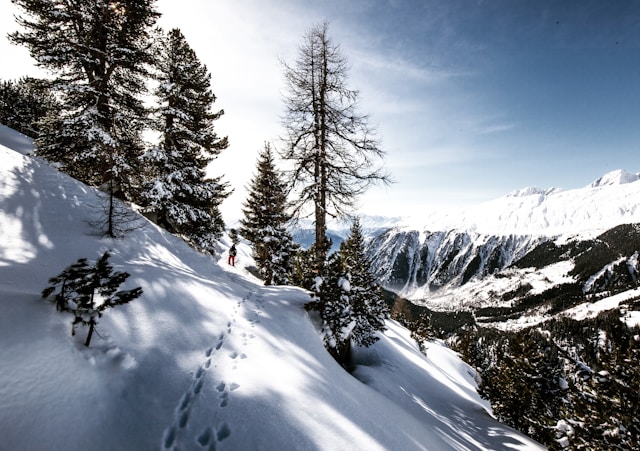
(335, 153)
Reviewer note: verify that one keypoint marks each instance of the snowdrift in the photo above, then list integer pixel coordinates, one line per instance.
(207, 358)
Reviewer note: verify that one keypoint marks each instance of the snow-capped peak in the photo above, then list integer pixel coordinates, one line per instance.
(617, 177)
(531, 191)
(611, 200)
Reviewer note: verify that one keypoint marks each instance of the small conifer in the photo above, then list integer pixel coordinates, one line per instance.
(87, 291)
(265, 222)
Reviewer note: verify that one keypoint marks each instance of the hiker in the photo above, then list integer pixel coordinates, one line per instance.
(232, 255)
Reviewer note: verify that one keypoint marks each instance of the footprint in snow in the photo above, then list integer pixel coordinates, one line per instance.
(169, 437)
(186, 401)
(184, 418)
(198, 387)
(223, 432)
(223, 389)
(205, 437)
(246, 337)
(208, 438)
(225, 399)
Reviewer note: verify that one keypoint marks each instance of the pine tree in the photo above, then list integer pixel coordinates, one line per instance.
(265, 221)
(98, 53)
(349, 300)
(177, 194)
(332, 300)
(369, 308)
(87, 291)
(24, 103)
(302, 268)
(421, 331)
(234, 237)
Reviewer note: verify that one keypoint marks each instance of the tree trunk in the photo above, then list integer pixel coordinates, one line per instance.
(321, 156)
(321, 233)
(342, 353)
(91, 326)
(110, 213)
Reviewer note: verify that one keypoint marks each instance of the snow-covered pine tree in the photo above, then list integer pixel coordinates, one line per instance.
(303, 267)
(97, 51)
(332, 294)
(177, 193)
(265, 221)
(368, 306)
(24, 103)
(98, 54)
(234, 237)
(349, 300)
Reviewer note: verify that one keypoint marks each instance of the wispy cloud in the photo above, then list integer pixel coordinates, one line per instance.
(495, 128)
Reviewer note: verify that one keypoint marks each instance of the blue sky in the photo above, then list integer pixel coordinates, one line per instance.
(472, 99)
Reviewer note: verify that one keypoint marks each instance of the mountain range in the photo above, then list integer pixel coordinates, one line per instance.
(500, 253)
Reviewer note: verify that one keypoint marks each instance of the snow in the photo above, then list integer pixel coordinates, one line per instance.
(586, 310)
(549, 212)
(592, 309)
(481, 292)
(608, 268)
(618, 177)
(206, 358)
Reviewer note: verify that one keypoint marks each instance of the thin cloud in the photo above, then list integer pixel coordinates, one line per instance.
(495, 128)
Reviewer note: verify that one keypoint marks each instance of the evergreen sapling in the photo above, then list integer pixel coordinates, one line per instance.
(265, 222)
(87, 291)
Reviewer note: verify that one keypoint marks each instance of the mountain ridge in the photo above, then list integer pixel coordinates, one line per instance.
(546, 212)
(449, 250)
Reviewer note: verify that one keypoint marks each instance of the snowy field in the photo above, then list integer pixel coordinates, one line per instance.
(207, 358)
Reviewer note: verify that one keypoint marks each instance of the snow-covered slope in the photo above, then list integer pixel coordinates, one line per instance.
(207, 358)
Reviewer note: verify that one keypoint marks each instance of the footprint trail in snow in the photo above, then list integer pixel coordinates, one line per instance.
(207, 428)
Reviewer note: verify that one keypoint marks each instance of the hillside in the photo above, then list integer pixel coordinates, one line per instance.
(207, 358)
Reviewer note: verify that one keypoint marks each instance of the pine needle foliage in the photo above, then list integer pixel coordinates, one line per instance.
(24, 103)
(350, 302)
(98, 54)
(177, 193)
(86, 291)
(266, 220)
(369, 308)
(568, 384)
(332, 294)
